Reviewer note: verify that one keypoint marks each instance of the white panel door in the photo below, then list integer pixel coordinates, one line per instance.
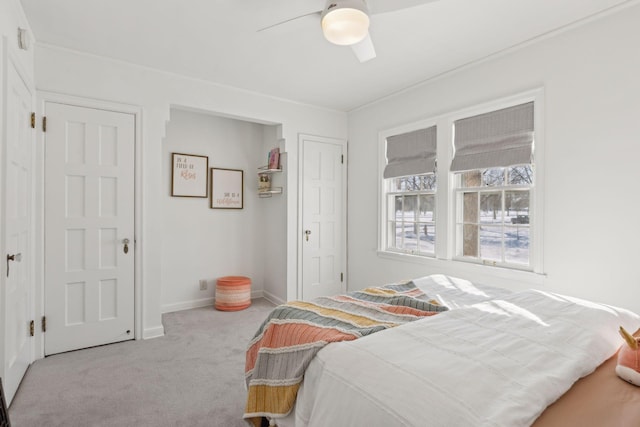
(18, 289)
(323, 230)
(89, 227)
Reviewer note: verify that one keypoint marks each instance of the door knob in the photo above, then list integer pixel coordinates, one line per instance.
(15, 257)
(126, 245)
(307, 233)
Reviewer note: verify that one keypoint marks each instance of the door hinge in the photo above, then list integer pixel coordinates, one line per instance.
(44, 124)
(44, 323)
(33, 120)
(342, 159)
(32, 328)
(341, 277)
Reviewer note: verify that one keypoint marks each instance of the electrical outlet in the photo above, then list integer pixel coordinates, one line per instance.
(203, 284)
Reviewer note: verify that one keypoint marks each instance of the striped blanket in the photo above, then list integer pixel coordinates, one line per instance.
(294, 332)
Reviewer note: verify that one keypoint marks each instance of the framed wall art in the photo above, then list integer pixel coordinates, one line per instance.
(189, 175)
(227, 188)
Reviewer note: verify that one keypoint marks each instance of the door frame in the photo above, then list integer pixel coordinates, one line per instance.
(299, 230)
(44, 97)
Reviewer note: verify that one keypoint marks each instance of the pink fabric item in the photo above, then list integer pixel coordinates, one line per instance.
(629, 357)
(628, 367)
(233, 293)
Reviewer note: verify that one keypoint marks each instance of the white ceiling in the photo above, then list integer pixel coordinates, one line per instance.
(218, 41)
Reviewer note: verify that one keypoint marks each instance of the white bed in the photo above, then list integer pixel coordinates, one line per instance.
(496, 358)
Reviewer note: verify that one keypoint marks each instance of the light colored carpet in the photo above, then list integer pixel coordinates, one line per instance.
(193, 376)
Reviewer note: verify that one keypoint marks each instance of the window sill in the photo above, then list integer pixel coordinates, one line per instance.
(479, 273)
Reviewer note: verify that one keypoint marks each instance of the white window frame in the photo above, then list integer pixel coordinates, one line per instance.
(445, 261)
(457, 193)
(391, 193)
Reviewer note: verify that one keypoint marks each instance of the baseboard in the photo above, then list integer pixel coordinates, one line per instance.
(187, 305)
(272, 298)
(156, 332)
(203, 302)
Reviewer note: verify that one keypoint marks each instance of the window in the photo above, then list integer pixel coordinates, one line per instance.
(410, 188)
(493, 216)
(494, 186)
(483, 204)
(411, 216)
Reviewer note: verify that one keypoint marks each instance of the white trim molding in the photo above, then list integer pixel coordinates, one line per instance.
(203, 302)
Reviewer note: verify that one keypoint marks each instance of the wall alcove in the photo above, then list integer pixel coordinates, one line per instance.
(200, 243)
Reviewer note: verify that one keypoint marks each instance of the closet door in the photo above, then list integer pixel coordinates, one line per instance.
(323, 237)
(89, 227)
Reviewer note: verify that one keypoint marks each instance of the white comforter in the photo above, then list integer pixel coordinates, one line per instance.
(500, 362)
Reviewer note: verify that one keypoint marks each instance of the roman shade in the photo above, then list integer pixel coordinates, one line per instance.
(496, 139)
(411, 153)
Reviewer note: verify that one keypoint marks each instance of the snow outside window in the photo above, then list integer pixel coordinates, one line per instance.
(494, 216)
(411, 202)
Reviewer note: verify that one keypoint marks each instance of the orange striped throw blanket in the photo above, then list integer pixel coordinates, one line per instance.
(294, 332)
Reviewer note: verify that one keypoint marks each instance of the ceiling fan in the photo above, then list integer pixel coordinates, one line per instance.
(346, 22)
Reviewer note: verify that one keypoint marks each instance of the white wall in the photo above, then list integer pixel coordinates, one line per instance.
(591, 130)
(273, 215)
(204, 243)
(11, 17)
(72, 73)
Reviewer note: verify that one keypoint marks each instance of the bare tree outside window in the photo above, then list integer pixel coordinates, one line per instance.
(520, 175)
(412, 224)
(495, 206)
(493, 177)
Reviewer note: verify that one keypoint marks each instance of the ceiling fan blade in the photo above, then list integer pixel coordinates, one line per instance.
(383, 6)
(318, 12)
(364, 50)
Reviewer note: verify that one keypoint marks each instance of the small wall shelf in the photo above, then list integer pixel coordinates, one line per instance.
(265, 169)
(272, 190)
(269, 193)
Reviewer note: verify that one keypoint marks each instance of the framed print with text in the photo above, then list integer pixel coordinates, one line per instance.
(189, 175)
(226, 188)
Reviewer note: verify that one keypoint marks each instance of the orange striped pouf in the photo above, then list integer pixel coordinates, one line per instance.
(233, 293)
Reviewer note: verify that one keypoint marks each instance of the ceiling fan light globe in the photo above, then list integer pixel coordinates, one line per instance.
(345, 26)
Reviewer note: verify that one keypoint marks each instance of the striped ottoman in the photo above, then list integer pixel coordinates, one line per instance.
(233, 293)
